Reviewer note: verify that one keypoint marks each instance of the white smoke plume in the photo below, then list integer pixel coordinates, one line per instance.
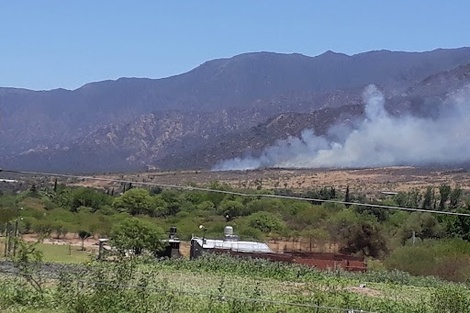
(379, 140)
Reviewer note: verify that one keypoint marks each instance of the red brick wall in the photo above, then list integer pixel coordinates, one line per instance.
(322, 261)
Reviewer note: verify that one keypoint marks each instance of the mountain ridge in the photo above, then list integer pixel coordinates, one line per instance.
(235, 94)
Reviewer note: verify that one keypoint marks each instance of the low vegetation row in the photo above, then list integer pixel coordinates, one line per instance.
(217, 284)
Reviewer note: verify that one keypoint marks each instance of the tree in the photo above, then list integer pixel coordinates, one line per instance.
(135, 201)
(60, 229)
(28, 262)
(83, 234)
(347, 198)
(379, 213)
(414, 198)
(454, 197)
(428, 198)
(444, 191)
(173, 201)
(33, 189)
(160, 206)
(205, 206)
(55, 185)
(266, 222)
(43, 228)
(311, 216)
(424, 225)
(401, 198)
(365, 238)
(87, 197)
(231, 208)
(459, 226)
(136, 235)
(316, 236)
(338, 223)
(270, 205)
(6, 214)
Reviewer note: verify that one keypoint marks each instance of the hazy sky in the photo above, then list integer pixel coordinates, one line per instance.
(50, 44)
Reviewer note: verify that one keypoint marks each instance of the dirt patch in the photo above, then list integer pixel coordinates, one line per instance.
(300, 244)
(69, 239)
(366, 181)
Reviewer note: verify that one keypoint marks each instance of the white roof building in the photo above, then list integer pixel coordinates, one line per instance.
(233, 245)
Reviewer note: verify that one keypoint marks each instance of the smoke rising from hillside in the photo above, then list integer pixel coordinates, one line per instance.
(379, 140)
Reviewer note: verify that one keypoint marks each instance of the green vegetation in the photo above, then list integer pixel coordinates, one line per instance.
(137, 236)
(386, 237)
(222, 284)
(64, 253)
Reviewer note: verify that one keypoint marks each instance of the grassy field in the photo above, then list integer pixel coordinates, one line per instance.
(221, 284)
(65, 253)
(59, 253)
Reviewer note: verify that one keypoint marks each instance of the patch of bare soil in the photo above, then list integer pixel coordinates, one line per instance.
(69, 239)
(300, 244)
(366, 181)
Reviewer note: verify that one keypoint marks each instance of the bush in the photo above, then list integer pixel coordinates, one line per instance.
(450, 299)
(137, 235)
(448, 259)
(266, 222)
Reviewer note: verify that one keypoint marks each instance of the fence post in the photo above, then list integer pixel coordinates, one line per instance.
(6, 240)
(15, 235)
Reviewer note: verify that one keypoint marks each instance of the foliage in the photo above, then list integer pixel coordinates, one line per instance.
(135, 201)
(6, 215)
(222, 284)
(266, 222)
(428, 198)
(450, 299)
(231, 208)
(364, 238)
(83, 234)
(310, 216)
(458, 226)
(448, 259)
(61, 211)
(338, 223)
(172, 200)
(87, 197)
(444, 192)
(454, 197)
(424, 225)
(137, 235)
(28, 261)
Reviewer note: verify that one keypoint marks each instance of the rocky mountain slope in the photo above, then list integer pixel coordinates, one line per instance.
(221, 109)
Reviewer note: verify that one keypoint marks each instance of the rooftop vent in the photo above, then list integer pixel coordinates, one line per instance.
(228, 233)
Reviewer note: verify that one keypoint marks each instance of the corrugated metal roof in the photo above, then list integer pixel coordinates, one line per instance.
(234, 245)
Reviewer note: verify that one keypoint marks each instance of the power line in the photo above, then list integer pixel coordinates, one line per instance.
(240, 194)
(82, 284)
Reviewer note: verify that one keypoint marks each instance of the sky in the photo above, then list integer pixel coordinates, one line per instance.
(65, 44)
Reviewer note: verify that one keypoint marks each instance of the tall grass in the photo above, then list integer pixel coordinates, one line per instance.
(223, 284)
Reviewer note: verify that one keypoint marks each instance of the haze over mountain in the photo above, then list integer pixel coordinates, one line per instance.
(223, 109)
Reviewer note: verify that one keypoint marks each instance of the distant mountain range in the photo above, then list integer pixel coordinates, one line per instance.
(222, 109)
